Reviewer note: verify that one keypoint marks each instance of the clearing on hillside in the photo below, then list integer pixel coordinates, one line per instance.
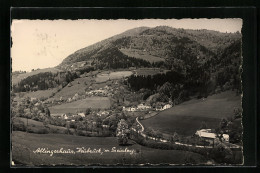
(149, 71)
(40, 93)
(187, 117)
(23, 145)
(141, 55)
(105, 76)
(76, 86)
(81, 105)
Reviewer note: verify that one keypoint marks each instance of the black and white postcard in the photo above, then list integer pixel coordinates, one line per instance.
(126, 92)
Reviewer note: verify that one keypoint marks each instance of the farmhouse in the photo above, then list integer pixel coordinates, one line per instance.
(128, 109)
(143, 107)
(133, 109)
(81, 114)
(158, 108)
(99, 92)
(210, 137)
(64, 116)
(103, 113)
(167, 106)
(105, 126)
(33, 99)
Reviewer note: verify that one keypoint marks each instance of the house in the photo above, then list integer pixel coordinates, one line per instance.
(132, 109)
(81, 114)
(37, 104)
(103, 113)
(158, 108)
(143, 107)
(210, 137)
(126, 108)
(105, 126)
(65, 117)
(167, 106)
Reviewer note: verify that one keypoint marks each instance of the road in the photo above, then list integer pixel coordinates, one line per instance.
(141, 132)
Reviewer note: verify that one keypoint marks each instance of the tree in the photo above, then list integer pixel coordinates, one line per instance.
(88, 110)
(47, 111)
(203, 125)
(122, 132)
(166, 89)
(223, 124)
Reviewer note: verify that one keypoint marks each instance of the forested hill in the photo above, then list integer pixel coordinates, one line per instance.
(160, 43)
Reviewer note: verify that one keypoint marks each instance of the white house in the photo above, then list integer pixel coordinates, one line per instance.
(167, 106)
(64, 116)
(105, 126)
(133, 109)
(81, 114)
(143, 107)
(103, 113)
(126, 108)
(210, 137)
(158, 108)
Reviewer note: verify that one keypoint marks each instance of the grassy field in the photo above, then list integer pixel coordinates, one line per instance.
(139, 54)
(18, 78)
(81, 105)
(40, 93)
(187, 117)
(148, 71)
(105, 76)
(78, 86)
(23, 145)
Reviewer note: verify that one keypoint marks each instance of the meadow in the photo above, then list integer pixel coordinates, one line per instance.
(141, 55)
(149, 71)
(81, 105)
(40, 93)
(105, 76)
(23, 145)
(187, 117)
(77, 86)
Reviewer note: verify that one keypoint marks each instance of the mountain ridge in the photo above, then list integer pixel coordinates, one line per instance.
(160, 41)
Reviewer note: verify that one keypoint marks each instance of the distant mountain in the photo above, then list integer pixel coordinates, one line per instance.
(206, 60)
(158, 44)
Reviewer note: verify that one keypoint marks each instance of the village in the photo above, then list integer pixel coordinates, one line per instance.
(121, 103)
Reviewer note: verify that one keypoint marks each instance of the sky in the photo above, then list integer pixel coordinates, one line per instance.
(45, 43)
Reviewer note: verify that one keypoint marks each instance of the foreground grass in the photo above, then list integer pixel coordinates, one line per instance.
(23, 145)
(187, 117)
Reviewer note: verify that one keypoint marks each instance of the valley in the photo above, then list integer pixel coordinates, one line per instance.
(176, 82)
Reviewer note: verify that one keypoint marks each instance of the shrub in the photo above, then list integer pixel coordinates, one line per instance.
(37, 130)
(18, 125)
(42, 131)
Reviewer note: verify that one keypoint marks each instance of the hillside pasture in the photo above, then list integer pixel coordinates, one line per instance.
(40, 93)
(149, 71)
(141, 55)
(105, 76)
(18, 78)
(187, 117)
(81, 105)
(77, 86)
(23, 145)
